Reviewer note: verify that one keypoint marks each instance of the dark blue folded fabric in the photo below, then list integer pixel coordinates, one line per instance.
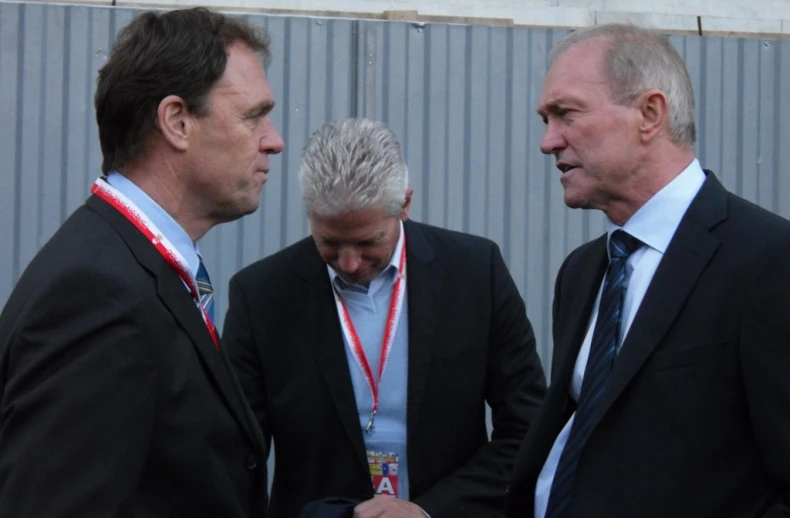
(332, 507)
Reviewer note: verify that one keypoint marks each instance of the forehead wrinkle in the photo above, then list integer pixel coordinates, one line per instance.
(582, 91)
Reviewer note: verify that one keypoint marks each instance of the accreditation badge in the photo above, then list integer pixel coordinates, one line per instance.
(383, 472)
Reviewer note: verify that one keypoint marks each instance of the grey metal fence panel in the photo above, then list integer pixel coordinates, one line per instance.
(471, 137)
(461, 99)
(9, 131)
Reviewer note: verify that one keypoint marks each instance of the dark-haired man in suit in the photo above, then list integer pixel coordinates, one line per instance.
(116, 397)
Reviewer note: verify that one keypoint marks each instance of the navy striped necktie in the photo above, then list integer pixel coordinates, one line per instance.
(205, 291)
(603, 350)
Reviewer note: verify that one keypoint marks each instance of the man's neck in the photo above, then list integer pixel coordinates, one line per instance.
(654, 175)
(164, 188)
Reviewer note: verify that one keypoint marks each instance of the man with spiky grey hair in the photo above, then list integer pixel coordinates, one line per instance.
(369, 350)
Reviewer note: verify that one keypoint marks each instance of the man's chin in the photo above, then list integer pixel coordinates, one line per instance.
(574, 201)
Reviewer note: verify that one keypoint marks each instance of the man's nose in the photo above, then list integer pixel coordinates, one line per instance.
(552, 141)
(349, 260)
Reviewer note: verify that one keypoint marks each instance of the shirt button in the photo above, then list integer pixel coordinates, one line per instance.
(252, 461)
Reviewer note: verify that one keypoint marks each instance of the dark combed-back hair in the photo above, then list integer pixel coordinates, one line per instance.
(182, 52)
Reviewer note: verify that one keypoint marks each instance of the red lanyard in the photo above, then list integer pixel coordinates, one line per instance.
(124, 205)
(396, 304)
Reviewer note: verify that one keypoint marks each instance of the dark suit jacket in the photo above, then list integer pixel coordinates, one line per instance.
(469, 342)
(695, 419)
(330, 507)
(114, 401)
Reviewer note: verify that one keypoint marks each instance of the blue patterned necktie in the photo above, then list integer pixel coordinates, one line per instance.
(603, 350)
(205, 290)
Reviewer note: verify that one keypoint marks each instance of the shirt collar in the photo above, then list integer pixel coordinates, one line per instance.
(657, 220)
(174, 233)
(388, 270)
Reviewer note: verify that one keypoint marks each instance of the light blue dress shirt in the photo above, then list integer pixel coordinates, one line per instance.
(171, 230)
(368, 308)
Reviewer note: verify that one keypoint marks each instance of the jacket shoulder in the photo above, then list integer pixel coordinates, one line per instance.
(295, 256)
(452, 239)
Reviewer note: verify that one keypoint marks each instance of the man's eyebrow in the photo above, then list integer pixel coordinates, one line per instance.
(543, 111)
(261, 108)
(553, 106)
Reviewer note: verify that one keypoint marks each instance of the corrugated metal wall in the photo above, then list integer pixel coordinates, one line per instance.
(461, 98)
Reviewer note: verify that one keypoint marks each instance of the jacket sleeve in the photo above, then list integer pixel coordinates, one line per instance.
(515, 388)
(78, 399)
(764, 357)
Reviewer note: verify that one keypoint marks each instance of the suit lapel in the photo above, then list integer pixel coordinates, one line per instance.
(689, 252)
(179, 302)
(325, 336)
(424, 285)
(574, 311)
(581, 275)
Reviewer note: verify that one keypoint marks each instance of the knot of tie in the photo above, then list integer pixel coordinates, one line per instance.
(622, 244)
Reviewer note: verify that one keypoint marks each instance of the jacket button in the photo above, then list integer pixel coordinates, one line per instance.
(252, 461)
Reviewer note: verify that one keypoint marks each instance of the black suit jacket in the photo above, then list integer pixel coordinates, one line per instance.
(469, 342)
(114, 401)
(695, 418)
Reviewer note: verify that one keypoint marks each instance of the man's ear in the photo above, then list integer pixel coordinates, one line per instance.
(174, 121)
(654, 109)
(404, 210)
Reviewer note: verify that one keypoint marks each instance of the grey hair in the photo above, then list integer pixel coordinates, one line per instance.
(350, 165)
(637, 60)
